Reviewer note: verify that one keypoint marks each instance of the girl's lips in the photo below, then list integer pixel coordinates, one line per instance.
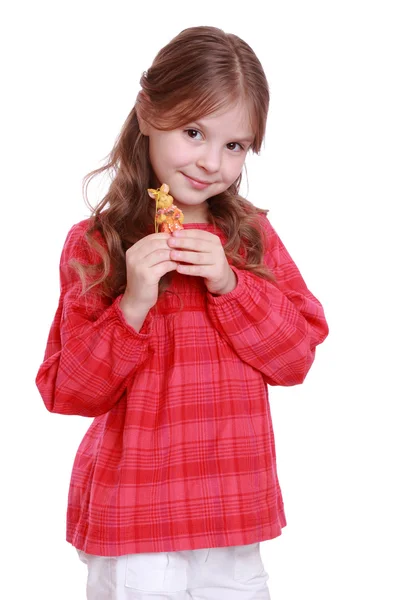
(198, 185)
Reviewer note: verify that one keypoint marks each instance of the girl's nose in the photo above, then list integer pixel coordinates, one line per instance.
(210, 159)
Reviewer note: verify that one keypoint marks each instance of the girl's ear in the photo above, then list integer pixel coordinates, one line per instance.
(143, 125)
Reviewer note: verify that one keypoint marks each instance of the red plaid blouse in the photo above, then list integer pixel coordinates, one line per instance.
(180, 454)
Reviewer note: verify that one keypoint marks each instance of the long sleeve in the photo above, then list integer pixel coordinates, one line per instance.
(91, 351)
(272, 326)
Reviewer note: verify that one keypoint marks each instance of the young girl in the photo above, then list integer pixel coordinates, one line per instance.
(169, 340)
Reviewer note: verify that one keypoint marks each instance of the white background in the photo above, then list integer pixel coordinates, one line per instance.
(329, 173)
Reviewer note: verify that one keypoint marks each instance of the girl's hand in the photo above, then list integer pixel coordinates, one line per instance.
(203, 256)
(146, 262)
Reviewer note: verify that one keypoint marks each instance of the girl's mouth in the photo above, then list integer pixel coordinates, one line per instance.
(198, 185)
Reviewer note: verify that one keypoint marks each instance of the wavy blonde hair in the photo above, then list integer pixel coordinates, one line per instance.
(201, 70)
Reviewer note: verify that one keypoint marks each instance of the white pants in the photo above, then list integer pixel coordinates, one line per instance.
(230, 573)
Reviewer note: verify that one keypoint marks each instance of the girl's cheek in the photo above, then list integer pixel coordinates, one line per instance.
(183, 155)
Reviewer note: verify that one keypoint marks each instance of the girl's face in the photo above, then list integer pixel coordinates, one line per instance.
(201, 159)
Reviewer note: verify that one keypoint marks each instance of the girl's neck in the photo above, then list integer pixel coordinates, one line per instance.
(194, 214)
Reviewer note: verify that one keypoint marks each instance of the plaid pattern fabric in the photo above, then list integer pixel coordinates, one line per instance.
(180, 454)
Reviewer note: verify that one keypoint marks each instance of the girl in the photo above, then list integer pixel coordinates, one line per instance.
(170, 340)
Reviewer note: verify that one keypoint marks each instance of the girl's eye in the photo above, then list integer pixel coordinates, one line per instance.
(235, 146)
(193, 133)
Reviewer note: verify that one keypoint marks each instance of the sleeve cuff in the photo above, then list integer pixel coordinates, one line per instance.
(145, 330)
(239, 290)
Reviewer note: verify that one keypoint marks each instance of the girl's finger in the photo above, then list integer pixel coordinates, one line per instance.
(164, 267)
(156, 257)
(195, 270)
(188, 243)
(157, 236)
(154, 239)
(142, 251)
(194, 258)
(194, 233)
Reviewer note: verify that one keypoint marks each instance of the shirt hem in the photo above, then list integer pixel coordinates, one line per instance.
(188, 542)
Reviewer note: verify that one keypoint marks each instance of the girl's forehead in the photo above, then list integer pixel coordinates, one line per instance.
(235, 116)
(237, 108)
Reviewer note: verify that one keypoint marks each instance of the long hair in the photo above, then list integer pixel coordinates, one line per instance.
(201, 70)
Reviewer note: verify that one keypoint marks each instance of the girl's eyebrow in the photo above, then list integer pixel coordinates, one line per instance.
(249, 139)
